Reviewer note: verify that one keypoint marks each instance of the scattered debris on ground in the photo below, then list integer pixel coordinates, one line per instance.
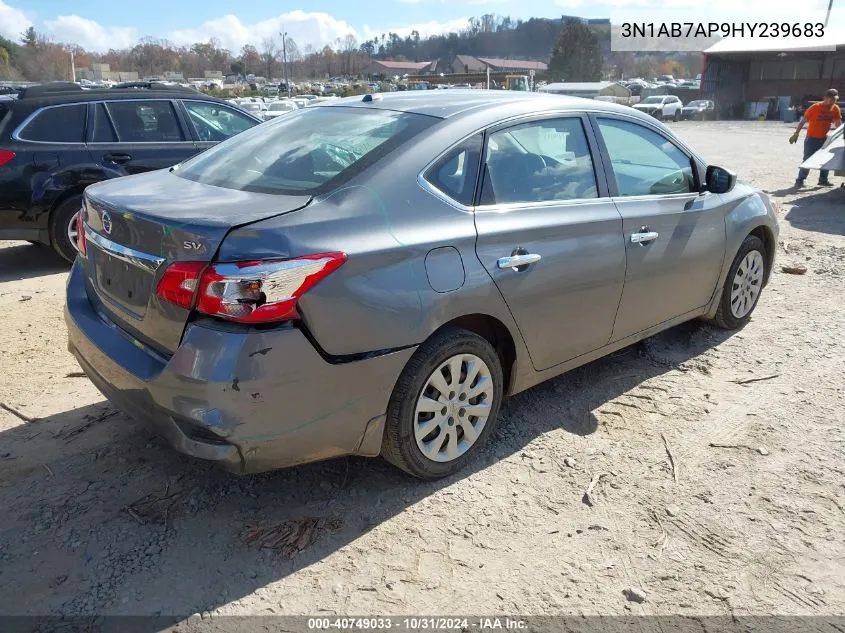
(289, 537)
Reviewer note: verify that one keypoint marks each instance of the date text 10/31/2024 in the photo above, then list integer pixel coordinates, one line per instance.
(417, 624)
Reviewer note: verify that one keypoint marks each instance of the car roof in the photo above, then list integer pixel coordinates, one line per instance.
(451, 103)
(113, 94)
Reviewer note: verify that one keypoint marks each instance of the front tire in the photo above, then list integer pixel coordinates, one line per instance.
(63, 227)
(444, 406)
(743, 285)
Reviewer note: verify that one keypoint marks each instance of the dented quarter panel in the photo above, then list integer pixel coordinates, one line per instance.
(32, 188)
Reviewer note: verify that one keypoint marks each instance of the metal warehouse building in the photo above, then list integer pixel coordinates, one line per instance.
(739, 73)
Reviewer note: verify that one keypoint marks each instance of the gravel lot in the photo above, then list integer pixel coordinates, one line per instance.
(100, 516)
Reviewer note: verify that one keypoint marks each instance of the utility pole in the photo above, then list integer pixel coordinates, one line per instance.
(72, 68)
(285, 60)
(827, 17)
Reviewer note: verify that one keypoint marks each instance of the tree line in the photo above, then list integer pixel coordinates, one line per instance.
(575, 49)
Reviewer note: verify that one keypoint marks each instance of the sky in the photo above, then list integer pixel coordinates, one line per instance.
(98, 25)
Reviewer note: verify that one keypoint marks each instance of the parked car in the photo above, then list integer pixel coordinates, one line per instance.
(698, 109)
(278, 108)
(372, 276)
(256, 108)
(55, 141)
(661, 107)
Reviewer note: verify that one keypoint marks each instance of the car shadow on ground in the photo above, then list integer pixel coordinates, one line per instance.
(134, 528)
(25, 261)
(821, 212)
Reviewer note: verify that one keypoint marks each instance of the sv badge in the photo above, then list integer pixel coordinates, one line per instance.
(194, 247)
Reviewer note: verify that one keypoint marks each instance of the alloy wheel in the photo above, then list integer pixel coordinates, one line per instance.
(72, 233)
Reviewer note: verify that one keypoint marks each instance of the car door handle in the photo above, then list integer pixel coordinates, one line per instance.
(117, 158)
(644, 238)
(515, 261)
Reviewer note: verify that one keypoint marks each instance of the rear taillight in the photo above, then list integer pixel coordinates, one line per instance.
(6, 156)
(179, 283)
(247, 292)
(81, 241)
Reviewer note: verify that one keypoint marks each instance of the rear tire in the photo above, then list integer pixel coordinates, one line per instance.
(743, 285)
(434, 432)
(677, 116)
(62, 227)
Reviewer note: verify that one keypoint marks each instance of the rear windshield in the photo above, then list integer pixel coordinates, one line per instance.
(307, 152)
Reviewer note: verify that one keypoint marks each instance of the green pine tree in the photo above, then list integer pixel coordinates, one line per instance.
(30, 38)
(576, 56)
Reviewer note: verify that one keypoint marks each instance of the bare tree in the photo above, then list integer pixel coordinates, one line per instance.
(270, 50)
(292, 57)
(251, 59)
(350, 44)
(293, 52)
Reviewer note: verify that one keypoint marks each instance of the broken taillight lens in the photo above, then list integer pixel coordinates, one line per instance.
(263, 291)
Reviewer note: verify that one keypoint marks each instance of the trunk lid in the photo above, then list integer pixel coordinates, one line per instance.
(137, 226)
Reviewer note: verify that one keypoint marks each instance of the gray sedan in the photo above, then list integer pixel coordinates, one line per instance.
(373, 276)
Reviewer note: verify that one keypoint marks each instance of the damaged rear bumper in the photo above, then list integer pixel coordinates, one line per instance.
(251, 400)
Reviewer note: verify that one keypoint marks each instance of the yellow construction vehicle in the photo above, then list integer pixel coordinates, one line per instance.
(517, 82)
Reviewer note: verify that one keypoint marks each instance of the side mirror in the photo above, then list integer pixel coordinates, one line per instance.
(719, 179)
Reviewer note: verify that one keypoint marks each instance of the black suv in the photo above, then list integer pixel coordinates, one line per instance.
(56, 139)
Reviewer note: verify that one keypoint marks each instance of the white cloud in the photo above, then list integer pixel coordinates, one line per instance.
(89, 34)
(317, 29)
(306, 28)
(13, 22)
(425, 29)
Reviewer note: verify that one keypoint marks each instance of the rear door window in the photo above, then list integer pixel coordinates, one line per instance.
(57, 124)
(146, 121)
(541, 161)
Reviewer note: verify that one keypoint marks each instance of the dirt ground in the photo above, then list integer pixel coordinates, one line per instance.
(100, 516)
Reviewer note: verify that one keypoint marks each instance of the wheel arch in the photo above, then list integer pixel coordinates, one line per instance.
(75, 190)
(497, 334)
(766, 236)
(760, 231)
